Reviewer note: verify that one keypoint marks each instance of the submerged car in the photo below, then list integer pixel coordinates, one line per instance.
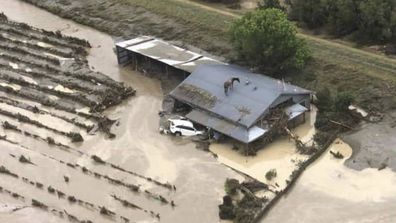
(183, 127)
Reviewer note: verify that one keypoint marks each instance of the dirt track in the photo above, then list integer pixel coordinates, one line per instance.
(137, 156)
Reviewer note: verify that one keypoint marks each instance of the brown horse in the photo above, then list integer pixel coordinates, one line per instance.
(229, 84)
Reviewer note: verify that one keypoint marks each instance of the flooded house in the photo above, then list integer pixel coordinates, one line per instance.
(227, 99)
(237, 103)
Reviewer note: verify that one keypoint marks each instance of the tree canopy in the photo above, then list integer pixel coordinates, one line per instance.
(265, 4)
(368, 20)
(266, 40)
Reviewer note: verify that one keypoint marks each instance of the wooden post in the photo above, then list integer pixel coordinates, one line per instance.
(136, 62)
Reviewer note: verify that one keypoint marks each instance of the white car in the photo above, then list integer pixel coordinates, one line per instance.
(183, 127)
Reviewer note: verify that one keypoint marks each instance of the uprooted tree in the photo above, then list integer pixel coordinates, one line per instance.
(266, 40)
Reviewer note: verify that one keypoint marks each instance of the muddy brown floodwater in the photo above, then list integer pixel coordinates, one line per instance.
(198, 177)
(327, 192)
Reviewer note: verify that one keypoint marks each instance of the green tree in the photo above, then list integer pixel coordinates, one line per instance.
(265, 4)
(367, 20)
(265, 39)
(343, 17)
(313, 13)
(375, 19)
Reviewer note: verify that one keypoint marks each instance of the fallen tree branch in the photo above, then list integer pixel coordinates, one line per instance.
(341, 124)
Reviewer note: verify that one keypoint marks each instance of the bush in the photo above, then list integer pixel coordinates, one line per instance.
(322, 121)
(266, 40)
(321, 138)
(342, 101)
(325, 101)
(271, 174)
(226, 210)
(266, 4)
(231, 185)
(246, 209)
(223, 1)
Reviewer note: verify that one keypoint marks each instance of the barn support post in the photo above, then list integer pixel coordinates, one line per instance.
(136, 62)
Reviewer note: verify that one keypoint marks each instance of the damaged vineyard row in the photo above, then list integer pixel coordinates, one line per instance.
(51, 69)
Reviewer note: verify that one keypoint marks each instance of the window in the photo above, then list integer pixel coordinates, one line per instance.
(185, 128)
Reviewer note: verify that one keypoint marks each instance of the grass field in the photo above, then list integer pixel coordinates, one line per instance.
(371, 77)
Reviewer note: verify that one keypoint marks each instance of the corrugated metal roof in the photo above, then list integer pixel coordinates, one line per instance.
(295, 110)
(244, 104)
(225, 127)
(166, 53)
(192, 65)
(134, 41)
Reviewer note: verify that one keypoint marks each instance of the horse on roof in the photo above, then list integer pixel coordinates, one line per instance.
(229, 84)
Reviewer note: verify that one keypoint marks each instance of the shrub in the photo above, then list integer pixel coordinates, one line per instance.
(321, 138)
(325, 101)
(230, 186)
(226, 210)
(322, 121)
(271, 174)
(265, 4)
(223, 1)
(342, 101)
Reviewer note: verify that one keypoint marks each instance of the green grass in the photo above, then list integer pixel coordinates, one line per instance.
(186, 12)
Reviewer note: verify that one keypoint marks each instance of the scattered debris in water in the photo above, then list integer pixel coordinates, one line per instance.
(23, 159)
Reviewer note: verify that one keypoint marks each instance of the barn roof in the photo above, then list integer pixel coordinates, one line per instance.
(166, 53)
(244, 104)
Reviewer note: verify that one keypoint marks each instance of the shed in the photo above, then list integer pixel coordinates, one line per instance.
(158, 51)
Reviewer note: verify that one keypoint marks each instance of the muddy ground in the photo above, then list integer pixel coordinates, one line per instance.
(374, 144)
(329, 191)
(139, 175)
(44, 68)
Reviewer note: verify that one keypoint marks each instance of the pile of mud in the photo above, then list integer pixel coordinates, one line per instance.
(46, 73)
